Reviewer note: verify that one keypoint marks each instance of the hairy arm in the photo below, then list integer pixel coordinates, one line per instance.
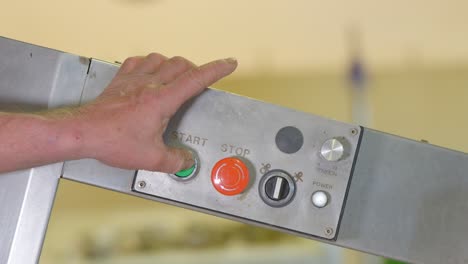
(123, 127)
(29, 140)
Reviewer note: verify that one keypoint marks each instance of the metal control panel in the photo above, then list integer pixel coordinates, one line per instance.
(259, 162)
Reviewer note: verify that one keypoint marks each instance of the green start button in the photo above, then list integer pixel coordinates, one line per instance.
(187, 172)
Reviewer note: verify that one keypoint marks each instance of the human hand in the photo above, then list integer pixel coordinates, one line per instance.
(124, 126)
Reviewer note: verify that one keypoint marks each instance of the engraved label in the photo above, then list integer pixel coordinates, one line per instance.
(240, 152)
(223, 147)
(327, 172)
(322, 185)
(235, 150)
(188, 138)
(265, 168)
(246, 152)
(298, 176)
(181, 136)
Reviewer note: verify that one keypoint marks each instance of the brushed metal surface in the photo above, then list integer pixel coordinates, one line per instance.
(218, 124)
(32, 78)
(408, 200)
(26, 199)
(100, 74)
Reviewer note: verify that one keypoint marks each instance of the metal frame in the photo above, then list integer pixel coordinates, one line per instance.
(32, 77)
(407, 200)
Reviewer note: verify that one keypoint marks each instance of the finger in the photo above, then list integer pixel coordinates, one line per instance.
(175, 159)
(194, 82)
(172, 68)
(130, 64)
(151, 63)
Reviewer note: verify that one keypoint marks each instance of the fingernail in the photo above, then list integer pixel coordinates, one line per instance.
(231, 60)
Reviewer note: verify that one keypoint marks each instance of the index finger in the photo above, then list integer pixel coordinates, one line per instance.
(194, 81)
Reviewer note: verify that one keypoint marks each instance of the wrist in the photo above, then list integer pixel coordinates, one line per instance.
(66, 132)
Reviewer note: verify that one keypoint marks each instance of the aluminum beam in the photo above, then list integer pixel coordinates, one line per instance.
(32, 78)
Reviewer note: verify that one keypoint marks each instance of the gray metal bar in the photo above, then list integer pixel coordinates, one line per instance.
(407, 200)
(26, 199)
(32, 78)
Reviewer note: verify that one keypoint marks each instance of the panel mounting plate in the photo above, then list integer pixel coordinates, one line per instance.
(217, 124)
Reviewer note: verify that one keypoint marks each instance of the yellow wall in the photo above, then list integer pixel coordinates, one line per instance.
(267, 34)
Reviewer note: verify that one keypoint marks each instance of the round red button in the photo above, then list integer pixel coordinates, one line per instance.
(230, 176)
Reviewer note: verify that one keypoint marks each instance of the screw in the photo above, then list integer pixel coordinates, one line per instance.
(354, 131)
(328, 231)
(142, 184)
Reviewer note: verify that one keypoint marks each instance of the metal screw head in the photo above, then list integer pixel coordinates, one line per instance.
(142, 184)
(329, 231)
(354, 131)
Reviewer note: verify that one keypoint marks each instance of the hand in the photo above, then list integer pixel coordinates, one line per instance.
(124, 126)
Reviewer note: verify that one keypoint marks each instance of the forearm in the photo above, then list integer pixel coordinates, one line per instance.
(30, 140)
(123, 127)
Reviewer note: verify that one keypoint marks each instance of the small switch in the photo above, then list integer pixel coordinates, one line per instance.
(277, 188)
(320, 199)
(333, 149)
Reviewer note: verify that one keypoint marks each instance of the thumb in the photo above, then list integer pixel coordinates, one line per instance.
(175, 159)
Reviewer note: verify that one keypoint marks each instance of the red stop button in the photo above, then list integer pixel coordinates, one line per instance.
(230, 176)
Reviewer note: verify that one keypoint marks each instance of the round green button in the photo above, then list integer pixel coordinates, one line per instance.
(185, 173)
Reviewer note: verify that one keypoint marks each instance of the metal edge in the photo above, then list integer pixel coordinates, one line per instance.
(356, 154)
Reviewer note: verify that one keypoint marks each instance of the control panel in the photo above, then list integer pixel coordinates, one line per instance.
(259, 162)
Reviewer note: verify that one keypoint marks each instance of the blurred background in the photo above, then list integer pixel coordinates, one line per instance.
(397, 66)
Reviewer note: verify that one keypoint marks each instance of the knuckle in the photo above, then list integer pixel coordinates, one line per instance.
(178, 60)
(154, 56)
(130, 60)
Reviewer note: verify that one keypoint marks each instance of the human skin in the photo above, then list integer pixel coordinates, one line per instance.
(123, 127)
